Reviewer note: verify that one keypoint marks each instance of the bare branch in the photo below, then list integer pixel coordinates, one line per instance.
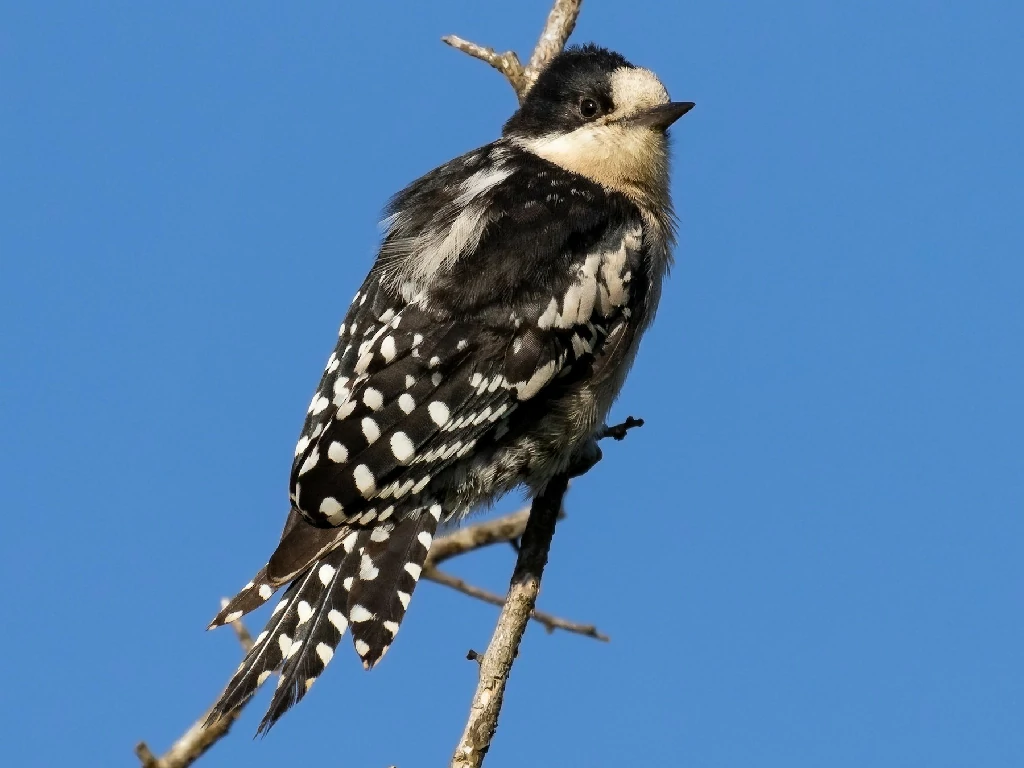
(500, 530)
(549, 621)
(519, 607)
(515, 615)
(507, 63)
(560, 24)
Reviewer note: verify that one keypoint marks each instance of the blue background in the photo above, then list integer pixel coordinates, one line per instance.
(812, 555)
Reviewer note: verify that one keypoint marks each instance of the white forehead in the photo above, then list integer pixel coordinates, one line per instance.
(634, 89)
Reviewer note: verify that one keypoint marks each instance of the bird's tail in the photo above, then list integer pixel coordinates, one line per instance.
(366, 583)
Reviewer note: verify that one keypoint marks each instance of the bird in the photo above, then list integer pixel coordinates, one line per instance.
(481, 354)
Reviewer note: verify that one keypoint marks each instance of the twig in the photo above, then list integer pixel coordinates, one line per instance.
(498, 531)
(560, 24)
(201, 735)
(515, 615)
(547, 620)
(507, 63)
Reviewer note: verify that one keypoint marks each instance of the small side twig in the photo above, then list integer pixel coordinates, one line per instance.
(507, 63)
(549, 621)
(498, 531)
(560, 24)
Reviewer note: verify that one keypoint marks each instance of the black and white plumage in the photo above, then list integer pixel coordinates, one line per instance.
(481, 353)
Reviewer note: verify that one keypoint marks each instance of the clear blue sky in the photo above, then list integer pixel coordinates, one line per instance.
(811, 556)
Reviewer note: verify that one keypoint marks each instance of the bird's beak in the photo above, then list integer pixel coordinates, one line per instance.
(661, 116)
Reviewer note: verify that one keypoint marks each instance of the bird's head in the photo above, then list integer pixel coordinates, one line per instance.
(595, 114)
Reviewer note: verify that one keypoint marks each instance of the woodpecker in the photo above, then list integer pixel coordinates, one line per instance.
(481, 354)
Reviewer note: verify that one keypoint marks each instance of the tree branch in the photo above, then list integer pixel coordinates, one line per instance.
(498, 531)
(519, 608)
(560, 24)
(547, 620)
(496, 663)
(507, 63)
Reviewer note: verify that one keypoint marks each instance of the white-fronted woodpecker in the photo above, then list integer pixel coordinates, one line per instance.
(481, 354)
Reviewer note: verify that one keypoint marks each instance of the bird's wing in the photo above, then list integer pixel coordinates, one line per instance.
(416, 382)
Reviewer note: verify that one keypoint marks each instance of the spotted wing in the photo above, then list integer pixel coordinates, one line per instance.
(419, 377)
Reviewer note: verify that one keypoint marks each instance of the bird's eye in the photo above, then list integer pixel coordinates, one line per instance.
(588, 107)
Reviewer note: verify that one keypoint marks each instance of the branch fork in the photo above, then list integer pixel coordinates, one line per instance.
(560, 24)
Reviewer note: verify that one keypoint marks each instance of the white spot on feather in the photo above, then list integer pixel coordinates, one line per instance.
(540, 378)
(402, 447)
(438, 412)
(358, 614)
(365, 481)
(373, 399)
(326, 573)
(370, 430)
(325, 653)
(364, 362)
(547, 319)
(309, 463)
(367, 572)
(284, 643)
(331, 507)
(337, 452)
